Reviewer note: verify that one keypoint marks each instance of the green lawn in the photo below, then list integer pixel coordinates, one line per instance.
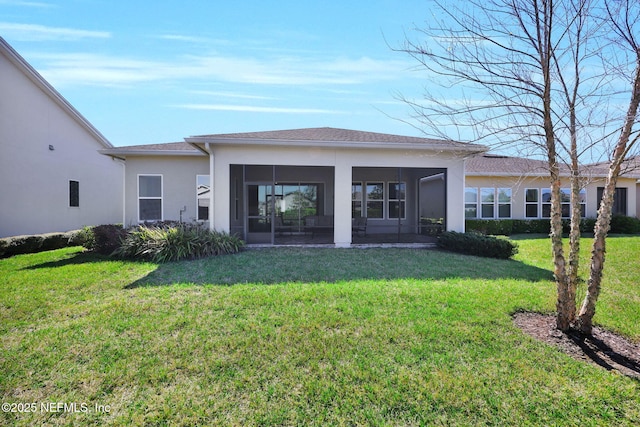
(304, 337)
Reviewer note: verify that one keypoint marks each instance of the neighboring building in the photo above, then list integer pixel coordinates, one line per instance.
(301, 185)
(501, 187)
(52, 177)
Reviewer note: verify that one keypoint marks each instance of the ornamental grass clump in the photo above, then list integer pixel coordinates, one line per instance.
(174, 242)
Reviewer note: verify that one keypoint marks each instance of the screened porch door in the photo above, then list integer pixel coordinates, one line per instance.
(259, 213)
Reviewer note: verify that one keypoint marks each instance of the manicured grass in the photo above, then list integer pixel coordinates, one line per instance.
(304, 337)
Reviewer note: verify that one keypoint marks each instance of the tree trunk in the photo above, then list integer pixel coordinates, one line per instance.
(574, 246)
(563, 306)
(587, 311)
(585, 318)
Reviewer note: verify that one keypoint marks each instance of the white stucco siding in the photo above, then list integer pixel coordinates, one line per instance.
(178, 185)
(343, 160)
(34, 180)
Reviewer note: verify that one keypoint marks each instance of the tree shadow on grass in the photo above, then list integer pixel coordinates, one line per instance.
(76, 258)
(312, 265)
(604, 348)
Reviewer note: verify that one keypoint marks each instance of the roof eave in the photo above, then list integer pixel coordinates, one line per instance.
(194, 140)
(136, 153)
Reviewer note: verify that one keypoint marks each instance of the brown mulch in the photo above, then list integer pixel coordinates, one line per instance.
(604, 348)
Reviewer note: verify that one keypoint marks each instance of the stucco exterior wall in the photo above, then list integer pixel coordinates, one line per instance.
(178, 185)
(337, 172)
(343, 160)
(34, 180)
(520, 184)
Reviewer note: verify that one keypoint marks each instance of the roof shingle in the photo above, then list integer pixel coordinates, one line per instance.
(328, 134)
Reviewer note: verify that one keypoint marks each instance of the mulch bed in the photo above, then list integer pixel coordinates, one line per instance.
(604, 348)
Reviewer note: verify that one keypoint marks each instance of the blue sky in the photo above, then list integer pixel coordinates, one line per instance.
(159, 71)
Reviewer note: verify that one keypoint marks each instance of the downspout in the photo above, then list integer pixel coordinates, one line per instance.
(123, 162)
(209, 150)
(124, 193)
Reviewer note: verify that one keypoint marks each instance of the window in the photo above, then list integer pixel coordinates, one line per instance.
(470, 202)
(546, 203)
(202, 194)
(504, 202)
(619, 200)
(487, 200)
(149, 198)
(356, 200)
(565, 200)
(74, 194)
(531, 200)
(375, 200)
(583, 203)
(397, 196)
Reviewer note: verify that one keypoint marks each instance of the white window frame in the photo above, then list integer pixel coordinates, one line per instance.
(467, 204)
(567, 193)
(161, 197)
(481, 203)
(365, 202)
(536, 203)
(499, 203)
(198, 198)
(401, 202)
(358, 198)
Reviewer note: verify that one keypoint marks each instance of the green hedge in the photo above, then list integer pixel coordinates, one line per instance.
(477, 244)
(620, 224)
(17, 245)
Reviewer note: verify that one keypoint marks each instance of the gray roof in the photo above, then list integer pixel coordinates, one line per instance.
(165, 149)
(167, 146)
(495, 165)
(325, 136)
(498, 165)
(329, 134)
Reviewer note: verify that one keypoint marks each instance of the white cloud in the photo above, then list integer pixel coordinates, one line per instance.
(230, 95)
(98, 70)
(192, 39)
(37, 4)
(95, 69)
(32, 32)
(256, 109)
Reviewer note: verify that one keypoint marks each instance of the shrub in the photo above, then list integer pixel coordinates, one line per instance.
(507, 227)
(52, 241)
(477, 244)
(17, 245)
(84, 237)
(173, 242)
(624, 224)
(107, 238)
(4, 243)
(502, 227)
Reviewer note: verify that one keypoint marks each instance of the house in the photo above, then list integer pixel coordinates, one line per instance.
(52, 177)
(502, 187)
(300, 186)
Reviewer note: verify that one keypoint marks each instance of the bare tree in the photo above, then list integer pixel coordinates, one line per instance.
(623, 19)
(532, 74)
